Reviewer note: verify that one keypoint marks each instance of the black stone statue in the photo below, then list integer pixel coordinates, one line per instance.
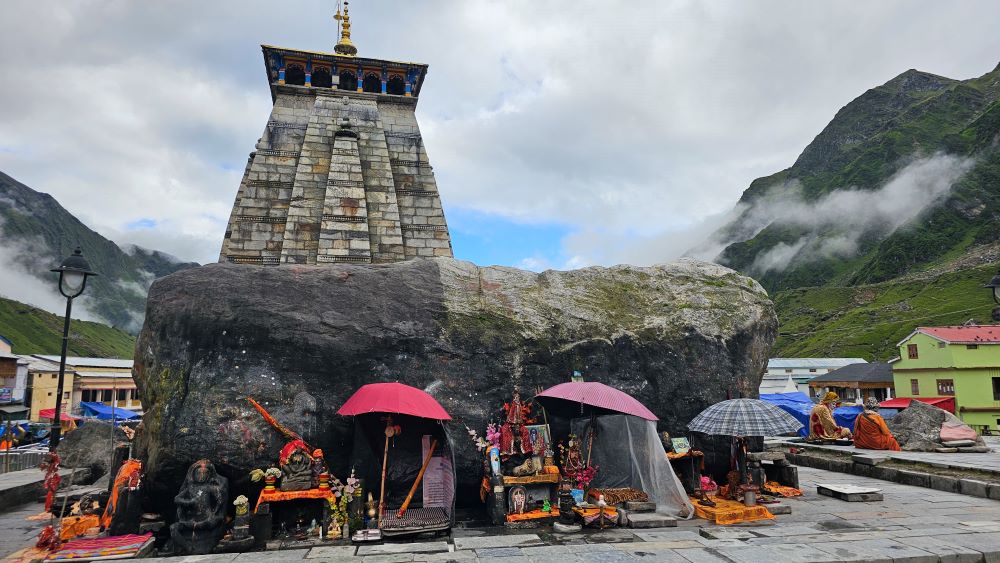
(201, 510)
(297, 471)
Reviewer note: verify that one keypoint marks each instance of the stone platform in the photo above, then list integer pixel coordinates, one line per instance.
(20, 487)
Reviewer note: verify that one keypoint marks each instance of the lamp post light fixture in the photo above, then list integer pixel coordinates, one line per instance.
(995, 286)
(73, 274)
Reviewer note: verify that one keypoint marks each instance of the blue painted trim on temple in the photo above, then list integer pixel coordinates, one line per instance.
(274, 65)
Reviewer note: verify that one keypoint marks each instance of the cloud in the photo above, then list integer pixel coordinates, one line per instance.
(835, 224)
(626, 124)
(25, 277)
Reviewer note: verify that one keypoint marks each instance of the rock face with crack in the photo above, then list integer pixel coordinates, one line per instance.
(302, 339)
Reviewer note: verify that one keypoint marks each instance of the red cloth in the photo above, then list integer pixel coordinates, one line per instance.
(290, 448)
(278, 495)
(128, 544)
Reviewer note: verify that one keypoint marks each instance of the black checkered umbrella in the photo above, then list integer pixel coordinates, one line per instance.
(744, 417)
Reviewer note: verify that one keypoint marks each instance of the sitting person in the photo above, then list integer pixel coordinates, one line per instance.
(870, 431)
(821, 423)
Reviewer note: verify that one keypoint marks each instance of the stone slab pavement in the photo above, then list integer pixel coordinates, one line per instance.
(989, 461)
(912, 524)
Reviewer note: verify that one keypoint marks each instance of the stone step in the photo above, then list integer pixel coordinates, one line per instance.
(638, 506)
(651, 520)
(849, 496)
(778, 509)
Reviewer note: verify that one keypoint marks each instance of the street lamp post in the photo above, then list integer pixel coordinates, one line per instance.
(73, 274)
(995, 286)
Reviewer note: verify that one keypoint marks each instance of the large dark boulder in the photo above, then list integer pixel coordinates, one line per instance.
(93, 446)
(302, 339)
(917, 428)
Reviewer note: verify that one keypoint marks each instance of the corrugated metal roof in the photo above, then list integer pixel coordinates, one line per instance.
(874, 372)
(79, 362)
(113, 374)
(788, 363)
(40, 364)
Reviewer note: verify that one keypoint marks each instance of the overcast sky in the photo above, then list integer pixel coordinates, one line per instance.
(562, 133)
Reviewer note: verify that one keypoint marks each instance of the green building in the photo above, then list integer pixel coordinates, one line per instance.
(953, 361)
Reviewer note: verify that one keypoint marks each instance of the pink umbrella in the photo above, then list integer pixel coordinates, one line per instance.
(393, 398)
(598, 395)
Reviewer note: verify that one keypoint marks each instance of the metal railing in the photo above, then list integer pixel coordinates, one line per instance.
(17, 459)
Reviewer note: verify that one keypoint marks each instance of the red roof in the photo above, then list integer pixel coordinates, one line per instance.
(973, 334)
(946, 403)
(51, 413)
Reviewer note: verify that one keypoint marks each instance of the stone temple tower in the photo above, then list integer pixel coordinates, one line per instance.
(340, 173)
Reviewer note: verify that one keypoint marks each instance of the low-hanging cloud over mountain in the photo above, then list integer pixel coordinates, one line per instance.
(834, 225)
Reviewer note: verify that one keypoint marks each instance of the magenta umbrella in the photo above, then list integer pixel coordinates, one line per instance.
(393, 398)
(599, 395)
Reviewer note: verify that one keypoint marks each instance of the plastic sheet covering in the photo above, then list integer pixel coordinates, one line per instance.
(800, 406)
(629, 453)
(405, 459)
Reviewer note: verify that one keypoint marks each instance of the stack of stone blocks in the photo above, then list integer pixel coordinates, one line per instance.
(337, 177)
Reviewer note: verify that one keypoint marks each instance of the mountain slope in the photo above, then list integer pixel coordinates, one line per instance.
(38, 233)
(866, 321)
(886, 144)
(34, 331)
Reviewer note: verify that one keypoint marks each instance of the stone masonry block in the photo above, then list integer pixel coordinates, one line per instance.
(974, 487)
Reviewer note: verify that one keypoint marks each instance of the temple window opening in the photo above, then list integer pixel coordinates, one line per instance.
(321, 77)
(396, 86)
(372, 83)
(348, 80)
(295, 74)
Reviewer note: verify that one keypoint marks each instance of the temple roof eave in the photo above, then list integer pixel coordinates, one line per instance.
(340, 58)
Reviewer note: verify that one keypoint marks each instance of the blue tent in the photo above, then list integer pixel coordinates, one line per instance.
(800, 406)
(104, 412)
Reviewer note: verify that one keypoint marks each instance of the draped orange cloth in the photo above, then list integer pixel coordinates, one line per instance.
(871, 433)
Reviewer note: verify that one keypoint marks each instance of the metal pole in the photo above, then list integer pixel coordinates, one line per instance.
(57, 421)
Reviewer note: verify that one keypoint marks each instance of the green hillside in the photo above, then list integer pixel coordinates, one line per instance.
(34, 331)
(912, 117)
(867, 321)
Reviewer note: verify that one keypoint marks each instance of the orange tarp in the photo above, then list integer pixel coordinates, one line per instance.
(590, 515)
(75, 526)
(782, 490)
(730, 512)
(278, 495)
(533, 515)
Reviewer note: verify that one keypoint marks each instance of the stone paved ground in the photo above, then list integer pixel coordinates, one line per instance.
(912, 524)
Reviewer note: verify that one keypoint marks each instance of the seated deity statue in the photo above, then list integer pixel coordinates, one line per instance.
(296, 467)
(201, 510)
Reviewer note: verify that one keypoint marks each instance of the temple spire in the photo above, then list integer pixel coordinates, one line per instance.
(344, 46)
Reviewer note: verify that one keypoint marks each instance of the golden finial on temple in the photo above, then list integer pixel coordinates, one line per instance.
(344, 46)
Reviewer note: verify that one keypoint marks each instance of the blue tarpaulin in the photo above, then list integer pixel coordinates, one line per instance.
(800, 406)
(104, 412)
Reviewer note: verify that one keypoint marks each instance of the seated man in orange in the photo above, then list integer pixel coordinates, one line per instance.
(821, 423)
(870, 431)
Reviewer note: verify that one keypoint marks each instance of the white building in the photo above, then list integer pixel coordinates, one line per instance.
(785, 373)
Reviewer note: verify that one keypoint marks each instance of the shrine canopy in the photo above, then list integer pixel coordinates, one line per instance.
(393, 398)
(595, 394)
